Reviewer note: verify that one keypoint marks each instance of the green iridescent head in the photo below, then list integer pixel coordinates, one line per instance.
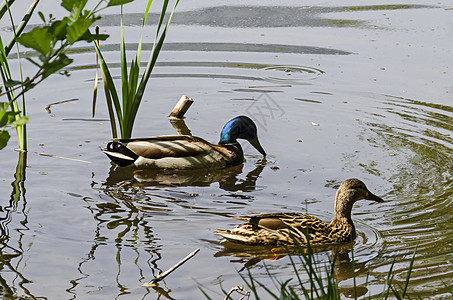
(241, 127)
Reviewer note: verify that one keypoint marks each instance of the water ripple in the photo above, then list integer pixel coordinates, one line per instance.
(418, 213)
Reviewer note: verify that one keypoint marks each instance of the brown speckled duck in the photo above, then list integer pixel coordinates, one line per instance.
(283, 228)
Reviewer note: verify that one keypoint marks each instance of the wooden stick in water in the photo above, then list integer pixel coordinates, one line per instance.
(180, 126)
(181, 107)
(240, 290)
(166, 273)
(67, 158)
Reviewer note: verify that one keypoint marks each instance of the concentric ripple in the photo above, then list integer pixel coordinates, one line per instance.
(418, 216)
(292, 73)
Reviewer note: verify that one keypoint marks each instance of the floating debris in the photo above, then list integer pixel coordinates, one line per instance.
(67, 158)
(169, 271)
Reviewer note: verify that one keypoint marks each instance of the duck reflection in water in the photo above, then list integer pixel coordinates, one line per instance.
(228, 179)
(289, 231)
(343, 267)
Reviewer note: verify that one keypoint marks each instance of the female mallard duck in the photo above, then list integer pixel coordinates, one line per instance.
(183, 152)
(284, 228)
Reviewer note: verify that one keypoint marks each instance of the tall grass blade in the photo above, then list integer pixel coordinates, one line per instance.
(124, 81)
(21, 26)
(310, 265)
(20, 117)
(449, 289)
(396, 293)
(135, 66)
(299, 280)
(132, 89)
(139, 48)
(251, 284)
(411, 265)
(271, 277)
(4, 7)
(151, 62)
(389, 280)
(268, 290)
(353, 273)
(96, 77)
(205, 294)
(332, 289)
(111, 95)
(4, 67)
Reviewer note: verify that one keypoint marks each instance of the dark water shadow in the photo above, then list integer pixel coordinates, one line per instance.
(262, 16)
(228, 179)
(201, 47)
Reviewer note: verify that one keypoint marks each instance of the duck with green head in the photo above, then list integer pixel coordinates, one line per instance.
(185, 152)
(286, 227)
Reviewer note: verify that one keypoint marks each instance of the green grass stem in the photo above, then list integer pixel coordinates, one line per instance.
(20, 118)
(123, 112)
(21, 26)
(321, 282)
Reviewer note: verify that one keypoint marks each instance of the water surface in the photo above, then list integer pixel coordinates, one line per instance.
(337, 91)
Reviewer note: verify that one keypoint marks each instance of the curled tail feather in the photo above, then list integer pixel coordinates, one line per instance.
(120, 154)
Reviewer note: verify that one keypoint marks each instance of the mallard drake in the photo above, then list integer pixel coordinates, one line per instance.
(183, 152)
(283, 228)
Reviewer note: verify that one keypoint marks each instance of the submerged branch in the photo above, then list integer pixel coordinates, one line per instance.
(166, 273)
(240, 290)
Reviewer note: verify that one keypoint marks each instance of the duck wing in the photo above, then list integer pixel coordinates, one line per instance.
(275, 221)
(289, 224)
(166, 146)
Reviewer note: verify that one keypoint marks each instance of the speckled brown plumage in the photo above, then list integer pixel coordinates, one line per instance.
(283, 228)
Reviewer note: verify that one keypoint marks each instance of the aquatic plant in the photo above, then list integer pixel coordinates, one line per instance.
(15, 118)
(320, 284)
(125, 110)
(51, 42)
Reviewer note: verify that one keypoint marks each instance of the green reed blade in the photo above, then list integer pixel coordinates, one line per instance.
(274, 281)
(447, 287)
(135, 67)
(148, 6)
(110, 93)
(132, 90)
(162, 15)
(133, 78)
(4, 63)
(96, 78)
(21, 26)
(251, 285)
(411, 265)
(204, 293)
(4, 7)
(151, 63)
(20, 116)
(145, 16)
(124, 80)
(395, 293)
(389, 279)
(268, 290)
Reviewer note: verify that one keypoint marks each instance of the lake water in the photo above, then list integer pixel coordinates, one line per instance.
(337, 91)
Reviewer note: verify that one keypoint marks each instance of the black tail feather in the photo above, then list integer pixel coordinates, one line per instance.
(116, 147)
